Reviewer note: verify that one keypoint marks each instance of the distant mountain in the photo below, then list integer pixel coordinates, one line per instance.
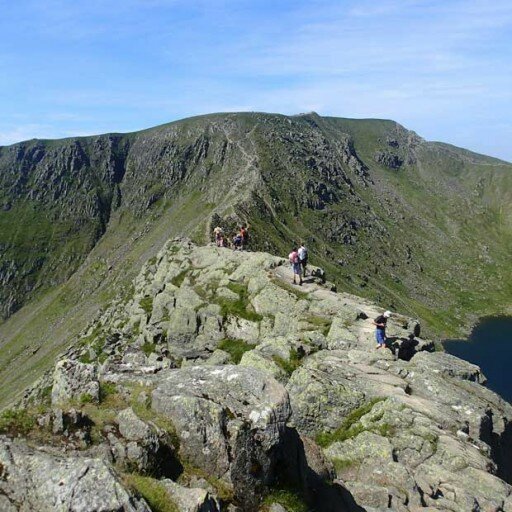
(419, 226)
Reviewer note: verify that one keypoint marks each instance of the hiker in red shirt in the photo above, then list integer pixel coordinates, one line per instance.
(244, 233)
(293, 257)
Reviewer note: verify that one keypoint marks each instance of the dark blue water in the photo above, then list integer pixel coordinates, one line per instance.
(490, 347)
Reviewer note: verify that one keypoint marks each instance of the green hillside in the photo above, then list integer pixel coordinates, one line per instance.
(422, 227)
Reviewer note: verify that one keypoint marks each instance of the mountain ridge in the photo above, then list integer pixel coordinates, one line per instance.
(406, 223)
(215, 114)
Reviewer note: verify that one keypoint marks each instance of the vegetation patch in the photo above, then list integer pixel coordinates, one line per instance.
(96, 342)
(235, 348)
(291, 500)
(178, 279)
(85, 398)
(16, 422)
(290, 365)
(343, 464)
(240, 307)
(89, 339)
(350, 426)
(86, 358)
(101, 416)
(223, 491)
(112, 402)
(152, 491)
(384, 430)
(319, 323)
(46, 395)
(148, 348)
(147, 305)
(107, 389)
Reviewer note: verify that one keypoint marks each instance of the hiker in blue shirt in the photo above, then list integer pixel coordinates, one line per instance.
(380, 331)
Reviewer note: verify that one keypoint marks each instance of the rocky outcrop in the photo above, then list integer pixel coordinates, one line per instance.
(60, 201)
(191, 500)
(221, 382)
(389, 159)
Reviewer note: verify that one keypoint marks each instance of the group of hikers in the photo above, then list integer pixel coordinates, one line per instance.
(298, 259)
(239, 241)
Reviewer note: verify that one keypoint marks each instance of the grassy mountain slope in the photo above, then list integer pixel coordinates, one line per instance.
(423, 227)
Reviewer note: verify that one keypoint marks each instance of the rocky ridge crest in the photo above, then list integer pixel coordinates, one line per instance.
(218, 385)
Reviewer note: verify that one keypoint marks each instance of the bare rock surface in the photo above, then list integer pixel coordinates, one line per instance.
(191, 499)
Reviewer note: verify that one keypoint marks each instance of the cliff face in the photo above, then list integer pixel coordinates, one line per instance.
(216, 382)
(55, 201)
(57, 198)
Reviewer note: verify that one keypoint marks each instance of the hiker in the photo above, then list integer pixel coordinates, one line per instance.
(218, 235)
(380, 331)
(303, 258)
(244, 233)
(293, 257)
(237, 241)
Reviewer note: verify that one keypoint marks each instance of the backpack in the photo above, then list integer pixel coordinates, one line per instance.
(293, 257)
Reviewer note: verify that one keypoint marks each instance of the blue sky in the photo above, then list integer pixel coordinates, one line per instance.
(74, 67)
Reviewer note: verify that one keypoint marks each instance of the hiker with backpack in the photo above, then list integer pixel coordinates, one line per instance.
(303, 258)
(244, 233)
(219, 236)
(293, 257)
(237, 242)
(380, 332)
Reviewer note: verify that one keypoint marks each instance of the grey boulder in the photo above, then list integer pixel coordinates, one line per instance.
(230, 420)
(73, 380)
(35, 481)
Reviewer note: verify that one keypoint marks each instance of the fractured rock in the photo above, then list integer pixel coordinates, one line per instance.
(143, 446)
